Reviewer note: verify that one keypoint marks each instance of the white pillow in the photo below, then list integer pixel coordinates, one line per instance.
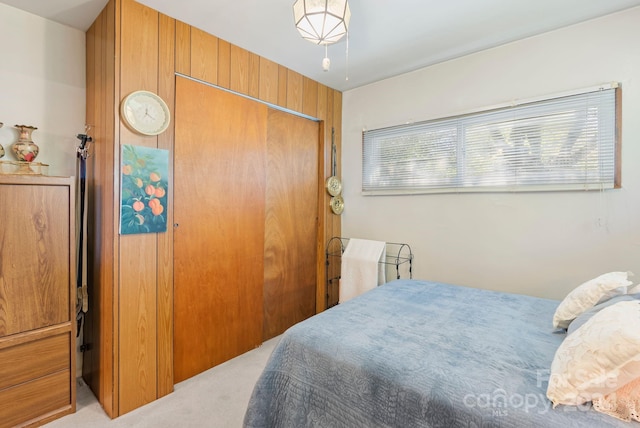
(589, 313)
(634, 290)
(588, 295)
(598, 358)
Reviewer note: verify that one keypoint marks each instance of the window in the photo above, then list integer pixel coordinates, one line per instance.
(563, 143)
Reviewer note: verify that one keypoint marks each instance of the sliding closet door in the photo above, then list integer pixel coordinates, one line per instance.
(220, 157)
(291, 222)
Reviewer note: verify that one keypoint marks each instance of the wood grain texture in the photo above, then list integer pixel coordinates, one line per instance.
(239, 69)
(34, 359)
(337, 124)
(309, 97)
(283, 83)
(99, 331)
(37, 297)
(321, 108)
(183, 48)
(138, 254)
(166, 89)
(268, 81)
(224, 64)
(111, 293)
(137, 313)
(321, 287)
(139, 54)
(108, 265)
(30, 336)
(218, 245)
(25, 404)
(294, 91)
(34, 257)
(323, 231)
(290, 222)
(334, 112)
(204, 56)
(254, 76)
(119, 48)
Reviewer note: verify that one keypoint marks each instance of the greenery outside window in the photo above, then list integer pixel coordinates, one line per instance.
(568, 142)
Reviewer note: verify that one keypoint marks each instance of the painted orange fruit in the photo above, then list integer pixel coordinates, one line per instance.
(138, 206)
(157, 209)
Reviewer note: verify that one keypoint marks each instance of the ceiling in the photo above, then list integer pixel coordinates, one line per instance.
(386, 37)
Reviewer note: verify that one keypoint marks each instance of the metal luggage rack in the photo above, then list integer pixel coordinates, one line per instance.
(396, 254)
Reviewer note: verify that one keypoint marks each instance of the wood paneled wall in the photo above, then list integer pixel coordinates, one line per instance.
(129, 328)
(100, 329)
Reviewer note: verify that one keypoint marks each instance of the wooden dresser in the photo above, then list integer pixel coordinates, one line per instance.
(37, 299)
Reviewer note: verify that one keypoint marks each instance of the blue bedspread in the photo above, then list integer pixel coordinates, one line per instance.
(418, 354)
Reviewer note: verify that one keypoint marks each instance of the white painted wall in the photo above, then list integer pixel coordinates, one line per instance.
(42, 84)
(541, 244)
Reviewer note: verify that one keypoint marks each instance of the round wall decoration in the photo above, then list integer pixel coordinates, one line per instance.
(337, 204)
(145, 113)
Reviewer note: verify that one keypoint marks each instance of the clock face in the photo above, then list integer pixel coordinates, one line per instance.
(145, 112)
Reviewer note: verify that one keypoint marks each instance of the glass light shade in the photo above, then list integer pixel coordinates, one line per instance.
(322, 21)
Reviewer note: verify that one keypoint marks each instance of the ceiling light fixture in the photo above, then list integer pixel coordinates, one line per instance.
(322, 22)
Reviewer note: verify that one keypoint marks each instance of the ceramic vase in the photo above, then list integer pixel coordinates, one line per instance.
(25, 149)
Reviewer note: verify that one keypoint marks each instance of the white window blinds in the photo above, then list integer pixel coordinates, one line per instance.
(564, 143)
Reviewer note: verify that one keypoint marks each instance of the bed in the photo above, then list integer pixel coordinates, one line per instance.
(414, 353)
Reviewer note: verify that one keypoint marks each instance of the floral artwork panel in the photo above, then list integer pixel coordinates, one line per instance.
(145, 186)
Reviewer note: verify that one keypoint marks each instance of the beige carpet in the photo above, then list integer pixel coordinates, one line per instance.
(216, 398)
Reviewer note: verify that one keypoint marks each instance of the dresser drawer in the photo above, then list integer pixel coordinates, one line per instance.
(36, 399)
(31, 360)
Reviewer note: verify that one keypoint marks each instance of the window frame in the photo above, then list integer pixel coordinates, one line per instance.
(463, 122)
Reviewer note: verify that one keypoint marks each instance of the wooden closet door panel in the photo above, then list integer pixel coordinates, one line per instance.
(291, 222)
(220, 148)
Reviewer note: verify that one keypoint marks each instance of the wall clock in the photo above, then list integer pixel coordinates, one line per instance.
(145, 113)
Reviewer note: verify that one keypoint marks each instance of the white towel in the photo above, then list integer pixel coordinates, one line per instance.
(360, 268)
